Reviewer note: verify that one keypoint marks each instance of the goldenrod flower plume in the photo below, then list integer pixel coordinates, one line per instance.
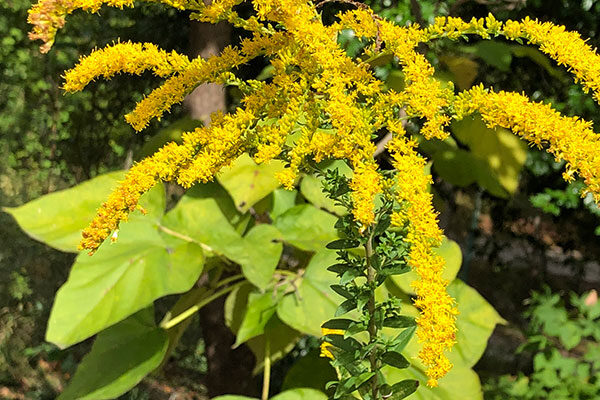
(130, 58)
(437, 330)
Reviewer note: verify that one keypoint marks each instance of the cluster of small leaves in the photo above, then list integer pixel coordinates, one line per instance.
(566, 351)
(365, 259)
(555, 201)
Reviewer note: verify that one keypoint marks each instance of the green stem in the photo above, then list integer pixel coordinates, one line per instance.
(196, 307)
(372, 327)
(227, 281)
(267, 370)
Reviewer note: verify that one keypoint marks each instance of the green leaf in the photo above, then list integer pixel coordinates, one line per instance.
(311, 187)
(345, 307)
(57, 219)
(403, 338)
(460, 380)
(475, 323)
(120, 279)
(201, 216)
(281, 337)
(570, 335)
(401, 321)
(338, 323)
(306, 227)
(300, 394)
(248, 182)
(343, 244)
(462, 68)
(261, 307)
(394, 359)
(496, 54)
(462, 168)
(503, 152)
(395, 80)
(120, 357)
(235, 306)
(314, 302)
(450, 251)
(403, 389)
(282, 200)
(258, 253)
(204, 214)
(539, 58)
(311, 371)
(171, 133)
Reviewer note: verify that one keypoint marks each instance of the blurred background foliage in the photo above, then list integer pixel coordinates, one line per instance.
(520, 227)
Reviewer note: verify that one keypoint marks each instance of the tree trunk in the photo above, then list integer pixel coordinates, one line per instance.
(207, 40)
(229, 371)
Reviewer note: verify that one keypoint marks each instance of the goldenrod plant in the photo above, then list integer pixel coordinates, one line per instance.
(319, 105)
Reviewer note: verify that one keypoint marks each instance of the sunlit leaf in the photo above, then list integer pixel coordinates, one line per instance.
(120, 279)
(450, 251)
(120, 357)
(314, 302)
(57, 219)
(248, 182)
(306, 227)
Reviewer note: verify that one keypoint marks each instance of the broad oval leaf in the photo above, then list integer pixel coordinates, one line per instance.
(310, 371)
(452, 254)
(203, 217)
(259, 254)
(293, 394)
(475, 323)
(260, 308)
(120, 357)
(281, 337)
(301, 394)
(311, 188)
(57, 219)
(306, 227)
(461, 382)
(503, 153)
(120, 279)
(314, 302)
(248, 182)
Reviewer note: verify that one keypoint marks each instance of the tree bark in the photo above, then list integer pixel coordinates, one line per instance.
(207, 40)
(229, 370)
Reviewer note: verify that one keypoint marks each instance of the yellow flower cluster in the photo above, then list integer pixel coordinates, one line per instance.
(322, 104)
(131, 58)
(48, 16)
(325, 346)
(437, 331)
(565, 47)
(567, 138)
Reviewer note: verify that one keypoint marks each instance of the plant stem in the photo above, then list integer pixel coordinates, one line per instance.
(372, 328)
(196, 307)
(267, 370)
